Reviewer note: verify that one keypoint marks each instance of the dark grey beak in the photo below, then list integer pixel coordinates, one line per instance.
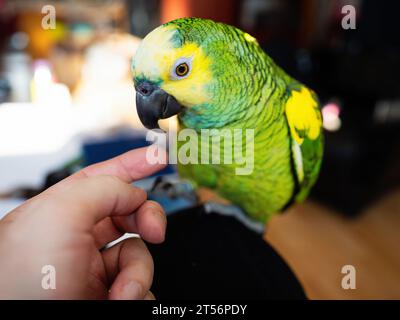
(153, 104)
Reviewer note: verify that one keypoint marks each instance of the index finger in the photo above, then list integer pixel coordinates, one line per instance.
(128, 167)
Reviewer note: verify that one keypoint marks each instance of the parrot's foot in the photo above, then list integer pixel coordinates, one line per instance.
(236, 212)
(174, 188)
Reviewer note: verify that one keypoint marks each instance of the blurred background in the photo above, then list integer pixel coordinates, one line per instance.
(67, 100)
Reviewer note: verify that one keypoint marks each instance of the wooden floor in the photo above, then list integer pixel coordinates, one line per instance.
(317, 243)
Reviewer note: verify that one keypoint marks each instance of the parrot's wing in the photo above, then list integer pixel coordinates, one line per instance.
(305, 127)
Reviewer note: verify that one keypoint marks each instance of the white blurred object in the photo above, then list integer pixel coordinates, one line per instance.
(104, 64)
(331, 116)
(33, 140)
(45, 90)
(18, 72)
(122, 238)
(105, 95)
(33, 129)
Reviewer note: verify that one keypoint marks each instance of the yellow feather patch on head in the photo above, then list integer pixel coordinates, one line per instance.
(303, 115)
(156, 58)
(191, 90)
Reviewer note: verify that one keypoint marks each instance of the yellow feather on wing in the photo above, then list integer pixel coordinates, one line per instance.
(305, 122)
(303, 115)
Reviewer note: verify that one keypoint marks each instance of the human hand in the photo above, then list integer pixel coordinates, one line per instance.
(66, 226)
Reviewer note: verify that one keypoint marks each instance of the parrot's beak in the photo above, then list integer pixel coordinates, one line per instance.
(153, 104)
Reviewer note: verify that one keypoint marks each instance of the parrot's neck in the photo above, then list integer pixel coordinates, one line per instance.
(255, 112)
(251, 100)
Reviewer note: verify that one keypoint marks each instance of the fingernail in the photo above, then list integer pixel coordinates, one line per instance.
(132, 291)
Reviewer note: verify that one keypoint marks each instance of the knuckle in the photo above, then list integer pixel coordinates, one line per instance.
(139, 192)
(107, 179)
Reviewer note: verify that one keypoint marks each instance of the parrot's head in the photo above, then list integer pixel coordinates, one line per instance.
(196, 68)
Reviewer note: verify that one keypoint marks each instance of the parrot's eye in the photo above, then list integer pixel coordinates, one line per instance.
(181, 68)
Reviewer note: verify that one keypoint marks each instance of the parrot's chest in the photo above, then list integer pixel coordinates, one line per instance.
(255, 174)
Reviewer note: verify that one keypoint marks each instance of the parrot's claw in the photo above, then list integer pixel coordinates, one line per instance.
(174, 189)
(236, 212)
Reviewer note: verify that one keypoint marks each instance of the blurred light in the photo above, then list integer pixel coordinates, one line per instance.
(42, 73)
(19, 40)
(330, 115)
(45, 91)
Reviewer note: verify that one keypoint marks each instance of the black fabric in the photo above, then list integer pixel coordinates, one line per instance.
(209, 256)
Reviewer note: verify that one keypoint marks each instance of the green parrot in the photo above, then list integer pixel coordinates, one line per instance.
(215, 76)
